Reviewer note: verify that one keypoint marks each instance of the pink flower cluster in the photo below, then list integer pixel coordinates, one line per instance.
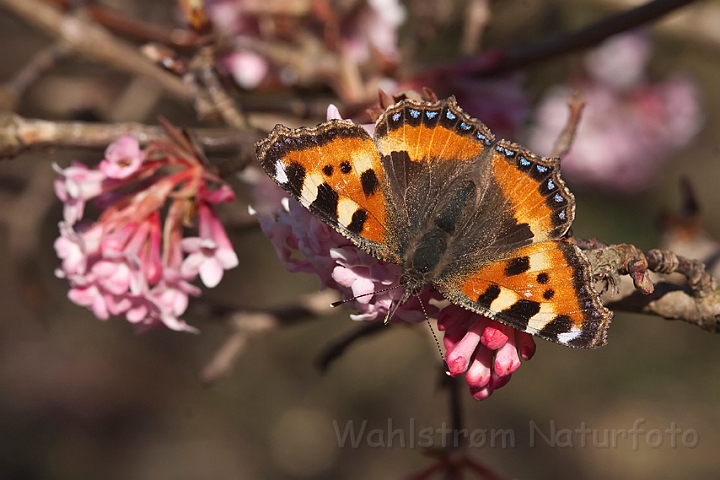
(629, 126)
(129, 262)
(485, 350)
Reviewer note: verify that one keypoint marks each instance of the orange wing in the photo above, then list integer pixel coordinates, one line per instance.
(334, 170)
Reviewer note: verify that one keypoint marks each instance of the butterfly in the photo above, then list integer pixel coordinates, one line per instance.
(483, 221)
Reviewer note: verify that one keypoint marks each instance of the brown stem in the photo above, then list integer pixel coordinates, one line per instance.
(499, 61)
(18, 134)
(246, 324)
(576, 104)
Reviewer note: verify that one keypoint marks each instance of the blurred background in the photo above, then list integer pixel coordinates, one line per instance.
(81, 398)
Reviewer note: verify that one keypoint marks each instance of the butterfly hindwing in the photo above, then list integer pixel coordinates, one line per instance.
(334, 170)
(544, 289)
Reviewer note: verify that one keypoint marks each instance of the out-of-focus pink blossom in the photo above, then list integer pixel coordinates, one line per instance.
(127, 262)
(122, 158)
(247, 68)
(629, 127)
(77, 184)
(375, 29)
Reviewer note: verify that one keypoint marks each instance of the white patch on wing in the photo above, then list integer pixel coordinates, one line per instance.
(506, 299)
(543, 317)
(310, 187)
(346, 209)
(280, 174)
(569, 336)
(540, 262)
(362, 161)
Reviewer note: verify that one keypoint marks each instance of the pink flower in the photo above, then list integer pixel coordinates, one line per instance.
(122, 158)
(127, 262)
(211, 253)
(247, 68)
(485, 350)
(76, 185)
(375, 29)
(172, 292)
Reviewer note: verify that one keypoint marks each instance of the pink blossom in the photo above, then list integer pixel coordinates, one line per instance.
(127, 262)
(247, 68)
(629, 127)
(211, 253)
(122, 158)
(485, 350)
(375, 29)
(172, 292)
(77, 184)
(90, 296)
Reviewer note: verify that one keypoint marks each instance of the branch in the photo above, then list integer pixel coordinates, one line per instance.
(576, 104)
(246, 324)
(94, 42)
(18, 134)
(697, 302)
(498, 61)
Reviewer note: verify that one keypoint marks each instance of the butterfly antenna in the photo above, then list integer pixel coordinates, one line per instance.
(432, 330)
(342, 302)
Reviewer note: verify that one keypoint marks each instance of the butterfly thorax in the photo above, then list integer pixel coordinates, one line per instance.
(423, 261)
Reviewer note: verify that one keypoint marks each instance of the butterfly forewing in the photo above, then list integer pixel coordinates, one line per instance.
(334, 170)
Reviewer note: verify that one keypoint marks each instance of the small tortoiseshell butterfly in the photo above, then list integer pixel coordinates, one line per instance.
(481, 220)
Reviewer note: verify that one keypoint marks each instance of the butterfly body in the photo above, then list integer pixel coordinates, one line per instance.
(482, 221)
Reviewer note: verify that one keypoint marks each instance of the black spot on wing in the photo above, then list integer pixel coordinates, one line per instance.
(328, 170)
(487, 297)
(556, 326)
(548, 294)
(516, 266)
(543, 278)
(326, 203)
(295, 174)
(358, 221)
(345, 167)
(519, 313)
(369, 182)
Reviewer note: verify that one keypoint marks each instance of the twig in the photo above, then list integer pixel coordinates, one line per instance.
(94, 42)
(697, 303)
(576, 104)
(499, 61)
(248, 324)
(41, 62)
(477, 16)
(225, 106)
(18, 134)
(117, 22)
(337, 347)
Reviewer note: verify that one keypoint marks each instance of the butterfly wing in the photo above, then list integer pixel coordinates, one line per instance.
(334, 170)
(506, 257)
(540, 284)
